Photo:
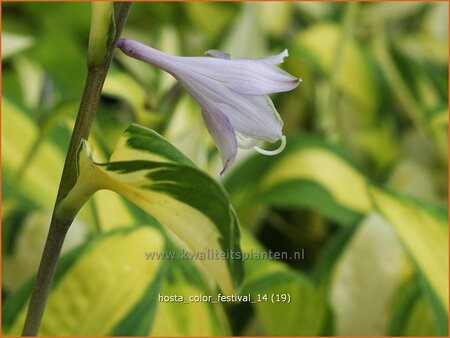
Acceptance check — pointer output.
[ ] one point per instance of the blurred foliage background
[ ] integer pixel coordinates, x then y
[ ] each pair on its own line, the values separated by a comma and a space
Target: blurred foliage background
362, 185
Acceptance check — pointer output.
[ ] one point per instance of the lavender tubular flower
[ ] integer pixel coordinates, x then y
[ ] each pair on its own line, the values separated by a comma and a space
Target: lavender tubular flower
232, 94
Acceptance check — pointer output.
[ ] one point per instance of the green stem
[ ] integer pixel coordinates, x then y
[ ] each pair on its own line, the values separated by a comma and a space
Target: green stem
58, 228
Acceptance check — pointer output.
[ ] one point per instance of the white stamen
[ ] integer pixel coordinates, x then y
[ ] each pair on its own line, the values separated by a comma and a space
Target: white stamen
245, 142
273, 152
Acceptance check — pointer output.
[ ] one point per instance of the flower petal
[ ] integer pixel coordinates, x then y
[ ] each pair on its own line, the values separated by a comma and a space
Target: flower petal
275, 59
262, 78
217, 54
221, 130
247, 76
251, 115
254, 116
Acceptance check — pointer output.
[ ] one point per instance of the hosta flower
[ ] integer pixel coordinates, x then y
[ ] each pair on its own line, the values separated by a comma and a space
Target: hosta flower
231, 92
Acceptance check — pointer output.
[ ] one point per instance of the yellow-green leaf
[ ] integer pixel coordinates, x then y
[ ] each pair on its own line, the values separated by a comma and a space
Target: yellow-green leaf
123, 86
358, 274
411, 315
424, 234
211, 18
309, 173
41, 178
99, 283
99, 290
355, 76
327, 169
182, 318
269, 280
146, 169
245, 38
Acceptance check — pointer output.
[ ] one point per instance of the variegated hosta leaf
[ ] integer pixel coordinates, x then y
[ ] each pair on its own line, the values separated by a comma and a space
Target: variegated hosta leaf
107, 287
423, 232
309, 173
100, 282
411, 314
40, 180
182, 318
356, 76
358, 274
149, 171
20, 260
123, 86
307, 311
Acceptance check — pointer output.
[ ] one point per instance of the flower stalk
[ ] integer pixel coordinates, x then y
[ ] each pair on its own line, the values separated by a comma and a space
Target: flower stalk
58, 227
